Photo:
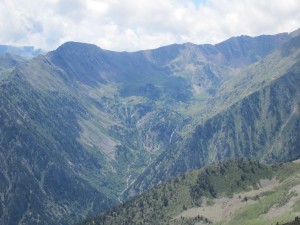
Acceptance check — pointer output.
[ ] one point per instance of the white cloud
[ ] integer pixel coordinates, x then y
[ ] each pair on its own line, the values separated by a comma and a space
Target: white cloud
134, 25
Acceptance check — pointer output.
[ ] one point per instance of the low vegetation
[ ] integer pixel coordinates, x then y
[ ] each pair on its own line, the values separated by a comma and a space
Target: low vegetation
237, 191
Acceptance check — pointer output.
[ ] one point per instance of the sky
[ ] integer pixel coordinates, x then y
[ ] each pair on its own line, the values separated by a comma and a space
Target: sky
130, 25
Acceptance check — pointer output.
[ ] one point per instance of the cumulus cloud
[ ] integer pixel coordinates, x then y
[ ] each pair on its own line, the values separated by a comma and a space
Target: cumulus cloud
133, 25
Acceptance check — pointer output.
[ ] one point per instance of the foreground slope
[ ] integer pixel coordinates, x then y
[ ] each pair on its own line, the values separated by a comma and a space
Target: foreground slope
232, 192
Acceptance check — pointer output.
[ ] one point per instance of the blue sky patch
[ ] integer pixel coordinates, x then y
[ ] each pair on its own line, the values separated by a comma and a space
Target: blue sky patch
197, 2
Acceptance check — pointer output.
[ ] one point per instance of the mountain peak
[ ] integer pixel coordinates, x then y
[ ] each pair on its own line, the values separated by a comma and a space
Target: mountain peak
77, 47
81, 61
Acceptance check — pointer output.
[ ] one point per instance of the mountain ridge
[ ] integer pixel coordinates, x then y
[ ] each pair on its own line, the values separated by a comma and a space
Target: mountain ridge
98, 121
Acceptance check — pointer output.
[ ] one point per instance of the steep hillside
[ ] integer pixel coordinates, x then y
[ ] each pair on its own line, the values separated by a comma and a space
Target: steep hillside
37, 177
8, 61
233, 192
255, 115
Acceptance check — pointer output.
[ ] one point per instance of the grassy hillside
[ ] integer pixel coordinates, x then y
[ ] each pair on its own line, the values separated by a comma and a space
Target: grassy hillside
233, 192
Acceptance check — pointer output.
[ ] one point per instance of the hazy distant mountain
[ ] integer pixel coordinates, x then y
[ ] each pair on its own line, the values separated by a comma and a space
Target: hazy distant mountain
27, 52
82, 127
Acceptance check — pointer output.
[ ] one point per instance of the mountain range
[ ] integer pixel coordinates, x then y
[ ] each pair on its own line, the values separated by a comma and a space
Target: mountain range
83, 129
